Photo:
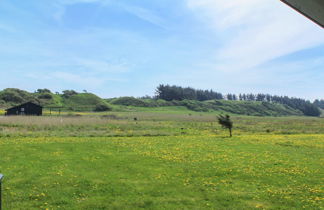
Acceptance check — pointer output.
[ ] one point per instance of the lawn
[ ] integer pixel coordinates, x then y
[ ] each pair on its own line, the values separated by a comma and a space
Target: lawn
161, 163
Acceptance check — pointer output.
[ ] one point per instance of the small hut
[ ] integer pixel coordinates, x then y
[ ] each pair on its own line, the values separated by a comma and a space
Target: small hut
28, 108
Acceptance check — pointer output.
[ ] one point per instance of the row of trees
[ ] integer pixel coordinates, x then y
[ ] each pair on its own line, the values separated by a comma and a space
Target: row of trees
170, 93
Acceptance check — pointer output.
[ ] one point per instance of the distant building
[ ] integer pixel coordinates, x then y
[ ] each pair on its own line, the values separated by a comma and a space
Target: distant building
28, 108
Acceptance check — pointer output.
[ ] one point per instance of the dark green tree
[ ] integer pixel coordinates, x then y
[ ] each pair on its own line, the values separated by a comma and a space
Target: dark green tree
169, 93
226, 122
68, 93
45, 90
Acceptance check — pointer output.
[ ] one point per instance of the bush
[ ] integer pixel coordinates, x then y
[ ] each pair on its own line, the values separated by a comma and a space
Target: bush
68, 93
45, 96
102, 108
43, 91
16, 96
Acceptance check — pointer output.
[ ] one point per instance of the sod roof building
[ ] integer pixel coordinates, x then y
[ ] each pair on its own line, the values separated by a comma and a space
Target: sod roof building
28, 108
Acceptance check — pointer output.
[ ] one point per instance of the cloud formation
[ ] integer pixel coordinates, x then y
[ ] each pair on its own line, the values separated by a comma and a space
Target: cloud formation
256, 31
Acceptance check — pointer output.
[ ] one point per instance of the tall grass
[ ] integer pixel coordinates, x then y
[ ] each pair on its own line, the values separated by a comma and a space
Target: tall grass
149, 123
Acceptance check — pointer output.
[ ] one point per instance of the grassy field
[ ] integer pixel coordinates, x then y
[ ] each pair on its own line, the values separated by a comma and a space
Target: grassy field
163, 160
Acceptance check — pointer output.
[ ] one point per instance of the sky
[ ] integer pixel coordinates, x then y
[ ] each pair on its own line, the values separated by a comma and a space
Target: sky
127, 48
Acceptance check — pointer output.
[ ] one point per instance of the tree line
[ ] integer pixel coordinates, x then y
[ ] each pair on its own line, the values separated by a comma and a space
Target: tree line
319, 103
169, 93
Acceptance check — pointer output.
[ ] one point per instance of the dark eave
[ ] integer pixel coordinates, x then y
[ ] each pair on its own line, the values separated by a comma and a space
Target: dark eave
14, 107
312, 9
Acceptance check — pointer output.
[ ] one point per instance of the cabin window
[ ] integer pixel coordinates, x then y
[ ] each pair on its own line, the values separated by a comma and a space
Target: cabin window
22, 109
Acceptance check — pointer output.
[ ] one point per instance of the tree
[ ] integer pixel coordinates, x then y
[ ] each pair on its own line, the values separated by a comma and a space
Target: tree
226, 122
45, 90
69, 93
169, 93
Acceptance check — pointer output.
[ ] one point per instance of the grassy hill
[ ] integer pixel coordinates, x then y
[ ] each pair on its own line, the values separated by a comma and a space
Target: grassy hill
13, 96
235, 107
84, 102
76, 102
73, 101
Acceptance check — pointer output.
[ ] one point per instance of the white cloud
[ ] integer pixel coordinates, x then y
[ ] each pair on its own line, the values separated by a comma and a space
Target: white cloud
142, 13
255, 31
227, 13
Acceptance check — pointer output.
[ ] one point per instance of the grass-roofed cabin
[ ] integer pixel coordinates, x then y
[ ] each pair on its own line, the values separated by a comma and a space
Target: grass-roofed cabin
28, 108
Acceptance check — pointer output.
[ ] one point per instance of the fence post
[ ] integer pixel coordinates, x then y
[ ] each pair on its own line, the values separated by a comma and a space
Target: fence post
1, 176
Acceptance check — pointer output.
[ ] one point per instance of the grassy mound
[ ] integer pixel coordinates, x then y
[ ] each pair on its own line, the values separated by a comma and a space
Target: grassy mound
252, 108
83, 102
13, 96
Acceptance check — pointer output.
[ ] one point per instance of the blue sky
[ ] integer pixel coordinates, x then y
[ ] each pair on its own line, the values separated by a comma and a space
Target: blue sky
127, 48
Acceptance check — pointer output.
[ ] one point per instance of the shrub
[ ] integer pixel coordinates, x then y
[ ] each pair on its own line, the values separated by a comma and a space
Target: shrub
15, 96
102, 108
69, 93
45, 96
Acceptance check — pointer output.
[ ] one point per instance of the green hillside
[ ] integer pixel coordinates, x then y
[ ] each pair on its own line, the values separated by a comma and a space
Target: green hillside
84, 102
252, 108
13, 96
70, 100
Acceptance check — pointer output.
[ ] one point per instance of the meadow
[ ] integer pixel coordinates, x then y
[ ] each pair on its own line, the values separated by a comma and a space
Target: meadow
166, 159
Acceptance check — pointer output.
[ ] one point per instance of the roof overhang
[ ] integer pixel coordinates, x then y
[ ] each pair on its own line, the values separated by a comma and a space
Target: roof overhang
14, 107
313, 9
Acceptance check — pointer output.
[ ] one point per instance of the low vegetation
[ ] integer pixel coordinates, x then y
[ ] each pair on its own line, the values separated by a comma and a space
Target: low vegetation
163, 160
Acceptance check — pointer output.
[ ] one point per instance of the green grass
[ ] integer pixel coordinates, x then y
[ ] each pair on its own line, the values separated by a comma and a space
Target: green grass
118, 124
161, 161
